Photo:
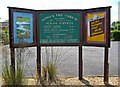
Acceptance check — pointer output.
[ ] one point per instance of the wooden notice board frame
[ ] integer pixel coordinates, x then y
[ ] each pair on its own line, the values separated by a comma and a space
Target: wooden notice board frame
83, 32
106, 43
12, 27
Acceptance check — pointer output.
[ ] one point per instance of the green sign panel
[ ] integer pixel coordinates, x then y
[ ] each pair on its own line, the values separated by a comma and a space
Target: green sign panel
59, 27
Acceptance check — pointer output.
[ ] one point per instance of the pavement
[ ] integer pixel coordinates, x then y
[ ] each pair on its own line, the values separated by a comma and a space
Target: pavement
93, 60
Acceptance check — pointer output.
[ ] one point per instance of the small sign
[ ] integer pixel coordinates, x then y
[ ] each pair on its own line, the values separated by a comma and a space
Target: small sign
97, 27
59, 27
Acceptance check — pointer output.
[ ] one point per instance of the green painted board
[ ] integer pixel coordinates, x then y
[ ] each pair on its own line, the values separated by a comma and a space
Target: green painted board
59, 27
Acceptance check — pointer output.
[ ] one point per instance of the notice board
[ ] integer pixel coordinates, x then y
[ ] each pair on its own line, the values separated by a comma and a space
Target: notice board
96, 25
86, 27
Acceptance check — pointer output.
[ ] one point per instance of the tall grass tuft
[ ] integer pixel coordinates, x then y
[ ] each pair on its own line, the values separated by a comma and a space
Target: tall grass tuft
53, 59
7, 72
20, 75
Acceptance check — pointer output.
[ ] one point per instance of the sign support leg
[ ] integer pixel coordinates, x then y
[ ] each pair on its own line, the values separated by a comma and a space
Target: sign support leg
80, 63
38, 62
106, 67
12, 66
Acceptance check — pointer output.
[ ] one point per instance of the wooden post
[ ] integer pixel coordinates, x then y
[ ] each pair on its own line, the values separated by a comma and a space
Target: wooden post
38, 62
80, 63
106, 67
12, 66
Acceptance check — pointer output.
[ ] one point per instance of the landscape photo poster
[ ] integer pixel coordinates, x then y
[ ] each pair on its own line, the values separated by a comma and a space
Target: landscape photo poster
23, 27
96, 27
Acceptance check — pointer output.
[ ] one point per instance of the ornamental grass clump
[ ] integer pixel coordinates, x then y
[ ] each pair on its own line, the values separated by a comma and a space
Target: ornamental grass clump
8, 73
53, 58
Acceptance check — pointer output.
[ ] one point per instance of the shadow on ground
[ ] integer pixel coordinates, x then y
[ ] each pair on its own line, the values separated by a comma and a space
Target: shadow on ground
87, 83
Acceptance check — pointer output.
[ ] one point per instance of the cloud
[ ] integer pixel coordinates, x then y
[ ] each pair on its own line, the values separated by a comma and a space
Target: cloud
50, 4
114, 13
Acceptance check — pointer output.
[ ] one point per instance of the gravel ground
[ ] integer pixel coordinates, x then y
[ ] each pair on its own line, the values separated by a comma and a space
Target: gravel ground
0, 82
88, 81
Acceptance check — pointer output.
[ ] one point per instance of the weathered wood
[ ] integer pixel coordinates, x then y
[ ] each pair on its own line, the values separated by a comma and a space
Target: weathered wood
106, 67
80, 63
38, 62
12, 66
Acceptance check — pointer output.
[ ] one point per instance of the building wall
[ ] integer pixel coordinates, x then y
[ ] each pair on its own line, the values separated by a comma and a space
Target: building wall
0, 26
3, 25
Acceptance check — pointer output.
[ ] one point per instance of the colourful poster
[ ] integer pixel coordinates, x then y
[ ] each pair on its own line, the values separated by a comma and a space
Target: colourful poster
96, 27
23, 27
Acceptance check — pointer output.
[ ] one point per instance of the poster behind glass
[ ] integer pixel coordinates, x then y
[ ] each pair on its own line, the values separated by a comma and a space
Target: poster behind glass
96, 27
23, 27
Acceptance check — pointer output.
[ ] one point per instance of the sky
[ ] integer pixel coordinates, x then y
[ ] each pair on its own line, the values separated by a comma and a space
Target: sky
58, 4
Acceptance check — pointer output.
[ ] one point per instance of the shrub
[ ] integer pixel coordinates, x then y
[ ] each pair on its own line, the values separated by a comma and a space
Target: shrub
116, 36
4, 36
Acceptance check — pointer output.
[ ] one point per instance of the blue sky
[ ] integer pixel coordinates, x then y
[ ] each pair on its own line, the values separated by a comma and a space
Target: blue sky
58, 4
114, 10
